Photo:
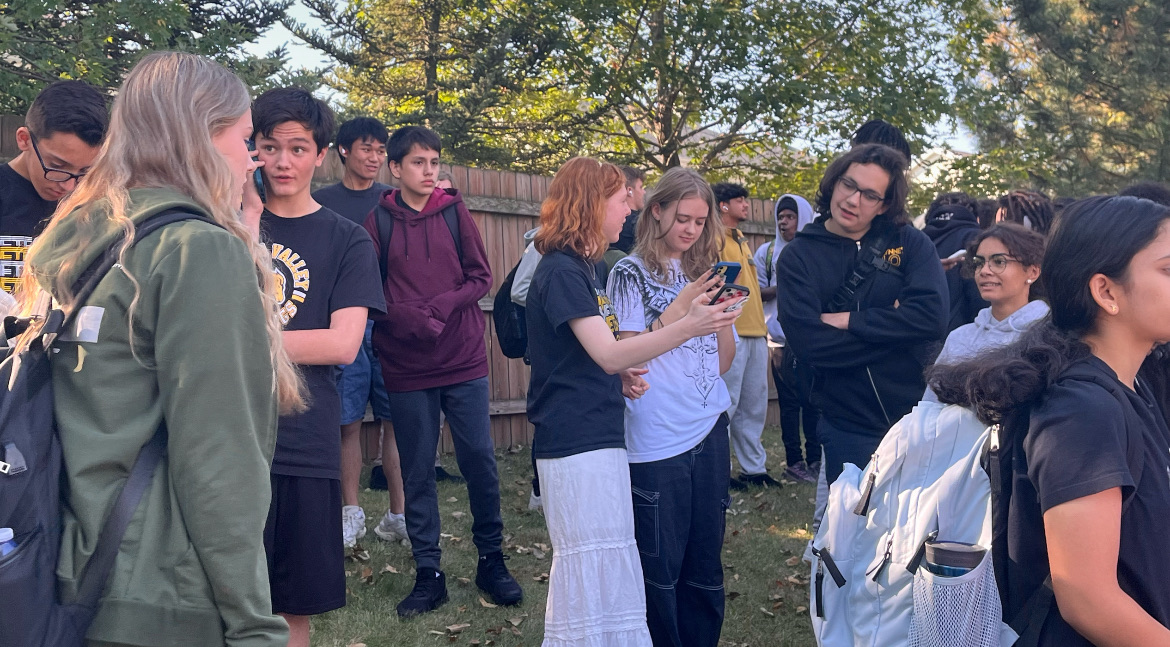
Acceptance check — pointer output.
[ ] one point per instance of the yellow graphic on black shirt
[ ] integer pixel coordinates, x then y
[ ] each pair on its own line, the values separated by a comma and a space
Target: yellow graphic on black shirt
894, 256
12, 250
291, 284
605, 308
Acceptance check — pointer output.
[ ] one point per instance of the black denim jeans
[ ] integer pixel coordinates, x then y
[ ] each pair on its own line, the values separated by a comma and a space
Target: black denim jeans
416, 431
791, 410
844, 445
680, 505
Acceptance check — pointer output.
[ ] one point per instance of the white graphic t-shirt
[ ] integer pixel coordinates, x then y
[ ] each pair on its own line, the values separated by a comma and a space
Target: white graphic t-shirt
686, 394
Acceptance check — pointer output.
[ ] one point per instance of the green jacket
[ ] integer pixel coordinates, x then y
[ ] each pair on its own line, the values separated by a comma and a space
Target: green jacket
191, 569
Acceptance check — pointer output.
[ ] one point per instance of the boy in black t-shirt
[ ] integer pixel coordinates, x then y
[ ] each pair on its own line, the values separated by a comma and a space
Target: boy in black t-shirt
58, 142
361, 146
327, 279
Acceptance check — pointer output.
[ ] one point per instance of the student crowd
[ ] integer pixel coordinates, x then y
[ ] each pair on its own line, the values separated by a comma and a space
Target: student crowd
259, 332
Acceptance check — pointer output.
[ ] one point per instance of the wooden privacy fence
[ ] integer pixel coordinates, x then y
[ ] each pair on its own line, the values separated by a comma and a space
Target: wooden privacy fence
504, 206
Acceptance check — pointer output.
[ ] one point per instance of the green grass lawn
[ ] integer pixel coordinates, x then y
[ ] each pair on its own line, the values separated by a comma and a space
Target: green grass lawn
767, 585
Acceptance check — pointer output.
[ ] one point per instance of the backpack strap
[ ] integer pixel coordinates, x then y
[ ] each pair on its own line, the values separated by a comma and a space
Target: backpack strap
97, 571
451, 217
385, 224
768, 260
1029, 622
88, 281
869, 261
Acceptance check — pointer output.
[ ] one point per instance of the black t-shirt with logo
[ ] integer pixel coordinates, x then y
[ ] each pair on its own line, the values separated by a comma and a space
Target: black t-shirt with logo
1090, 434
574, 405
23, 215
323, 263
348, 203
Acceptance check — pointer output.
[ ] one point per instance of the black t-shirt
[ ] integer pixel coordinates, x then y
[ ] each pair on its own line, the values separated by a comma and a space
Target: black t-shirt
349, 204
574, 405
23, 215
1091, 434
323, 263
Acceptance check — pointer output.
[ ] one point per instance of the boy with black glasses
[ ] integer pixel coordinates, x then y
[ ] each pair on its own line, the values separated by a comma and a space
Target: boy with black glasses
61, 136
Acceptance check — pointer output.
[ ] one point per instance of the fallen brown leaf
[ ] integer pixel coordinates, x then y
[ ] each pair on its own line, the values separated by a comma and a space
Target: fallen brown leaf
485, 604
454, 629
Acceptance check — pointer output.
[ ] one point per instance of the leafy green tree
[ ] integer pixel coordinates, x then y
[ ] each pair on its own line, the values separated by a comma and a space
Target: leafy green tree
732, 88
1068, 96
479, 72
100, 41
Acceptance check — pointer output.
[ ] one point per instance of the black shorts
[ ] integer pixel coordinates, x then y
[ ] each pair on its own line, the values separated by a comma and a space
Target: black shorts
306, 558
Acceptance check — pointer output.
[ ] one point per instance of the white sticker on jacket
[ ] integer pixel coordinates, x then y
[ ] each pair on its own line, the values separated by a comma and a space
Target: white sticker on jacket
85, 327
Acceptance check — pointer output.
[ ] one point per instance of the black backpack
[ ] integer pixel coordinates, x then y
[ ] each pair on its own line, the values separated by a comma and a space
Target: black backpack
31, 615
510, 320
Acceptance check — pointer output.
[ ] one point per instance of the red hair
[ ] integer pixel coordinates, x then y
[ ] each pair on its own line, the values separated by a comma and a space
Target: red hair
572, 214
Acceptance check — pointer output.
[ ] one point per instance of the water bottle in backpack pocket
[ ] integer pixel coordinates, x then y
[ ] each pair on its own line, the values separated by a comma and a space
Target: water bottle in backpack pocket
956, 601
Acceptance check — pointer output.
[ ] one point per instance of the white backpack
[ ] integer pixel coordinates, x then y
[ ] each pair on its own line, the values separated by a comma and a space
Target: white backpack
924, 483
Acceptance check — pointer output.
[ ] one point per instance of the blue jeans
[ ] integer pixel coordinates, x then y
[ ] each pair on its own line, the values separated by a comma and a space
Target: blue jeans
843, 445
416, 432
680, 504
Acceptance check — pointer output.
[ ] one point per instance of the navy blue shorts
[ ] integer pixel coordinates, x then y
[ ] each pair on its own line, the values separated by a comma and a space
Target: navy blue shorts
302, 538
362, 382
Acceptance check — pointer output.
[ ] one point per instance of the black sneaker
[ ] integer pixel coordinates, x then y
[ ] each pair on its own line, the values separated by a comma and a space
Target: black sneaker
759, 480
737, 485
443, 475
492, 577
430, 592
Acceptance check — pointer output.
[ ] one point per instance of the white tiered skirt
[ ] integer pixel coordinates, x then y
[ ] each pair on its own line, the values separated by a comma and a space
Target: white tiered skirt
596, 595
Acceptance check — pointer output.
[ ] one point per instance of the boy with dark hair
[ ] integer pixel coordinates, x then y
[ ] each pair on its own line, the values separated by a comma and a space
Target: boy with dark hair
635, 197
361, 146
61, 136
327, 279
747, 379
431, 343
879, 131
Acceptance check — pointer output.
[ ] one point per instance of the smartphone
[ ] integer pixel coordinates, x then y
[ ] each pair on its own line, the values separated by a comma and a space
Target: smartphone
959, 255
257, 176
729, 292
729, 271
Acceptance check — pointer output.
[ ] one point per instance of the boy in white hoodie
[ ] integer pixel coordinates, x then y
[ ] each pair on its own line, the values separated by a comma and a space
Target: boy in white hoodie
791, 214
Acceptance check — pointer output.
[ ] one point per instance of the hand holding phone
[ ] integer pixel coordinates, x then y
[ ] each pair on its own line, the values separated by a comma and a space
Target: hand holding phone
257, 176
730, 292
729, 271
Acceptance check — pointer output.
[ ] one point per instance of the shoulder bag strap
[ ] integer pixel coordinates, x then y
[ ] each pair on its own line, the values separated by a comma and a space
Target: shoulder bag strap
451, 217
385, 224
871, 259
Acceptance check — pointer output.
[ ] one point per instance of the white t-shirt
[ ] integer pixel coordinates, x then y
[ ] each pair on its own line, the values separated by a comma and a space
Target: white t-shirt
686, 394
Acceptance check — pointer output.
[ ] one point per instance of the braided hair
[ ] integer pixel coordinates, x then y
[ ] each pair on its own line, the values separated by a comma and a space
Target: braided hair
1029, 208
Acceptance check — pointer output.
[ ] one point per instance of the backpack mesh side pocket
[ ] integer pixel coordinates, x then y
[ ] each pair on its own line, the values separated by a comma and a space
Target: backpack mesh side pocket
963, 610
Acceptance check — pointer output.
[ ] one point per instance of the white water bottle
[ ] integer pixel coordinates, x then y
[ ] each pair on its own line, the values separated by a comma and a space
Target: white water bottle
7, 541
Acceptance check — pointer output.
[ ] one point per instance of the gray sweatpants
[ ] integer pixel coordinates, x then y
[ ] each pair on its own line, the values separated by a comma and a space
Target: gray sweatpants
747, 380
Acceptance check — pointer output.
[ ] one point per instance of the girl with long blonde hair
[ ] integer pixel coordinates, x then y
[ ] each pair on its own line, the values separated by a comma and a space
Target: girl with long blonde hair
182, 333
677, 432
596, 594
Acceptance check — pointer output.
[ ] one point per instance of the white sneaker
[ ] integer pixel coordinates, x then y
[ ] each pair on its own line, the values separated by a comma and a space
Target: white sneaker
353, 525
392, 527
534, 503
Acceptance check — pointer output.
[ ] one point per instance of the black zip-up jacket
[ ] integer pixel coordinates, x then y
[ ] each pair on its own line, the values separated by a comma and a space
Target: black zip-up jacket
952, 227
869, 376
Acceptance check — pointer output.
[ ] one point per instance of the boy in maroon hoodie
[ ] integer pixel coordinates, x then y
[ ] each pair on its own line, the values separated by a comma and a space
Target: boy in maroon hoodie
431, 345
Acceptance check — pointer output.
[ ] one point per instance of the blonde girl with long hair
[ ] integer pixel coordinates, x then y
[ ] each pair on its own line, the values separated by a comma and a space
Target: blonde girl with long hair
183, 331
677, 432
596, 596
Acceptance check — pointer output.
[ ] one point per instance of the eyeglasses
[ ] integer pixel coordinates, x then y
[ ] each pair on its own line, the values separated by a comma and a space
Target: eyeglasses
996, 262
52, 174
869, 197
